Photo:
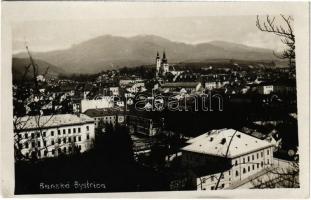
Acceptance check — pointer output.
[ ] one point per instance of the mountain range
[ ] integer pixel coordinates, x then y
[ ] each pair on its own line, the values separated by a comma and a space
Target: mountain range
19, 67
111, 52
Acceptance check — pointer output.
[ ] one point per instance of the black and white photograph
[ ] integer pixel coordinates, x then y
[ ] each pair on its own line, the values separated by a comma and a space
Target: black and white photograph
155, 97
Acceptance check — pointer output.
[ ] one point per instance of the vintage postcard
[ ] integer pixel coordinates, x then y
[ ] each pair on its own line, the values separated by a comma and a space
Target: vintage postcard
155, 99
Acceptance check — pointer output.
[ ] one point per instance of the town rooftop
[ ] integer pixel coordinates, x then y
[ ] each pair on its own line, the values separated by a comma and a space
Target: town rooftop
216, 143
35, 122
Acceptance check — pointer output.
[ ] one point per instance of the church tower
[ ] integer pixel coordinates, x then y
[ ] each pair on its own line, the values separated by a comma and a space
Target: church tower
158, 65
165, 64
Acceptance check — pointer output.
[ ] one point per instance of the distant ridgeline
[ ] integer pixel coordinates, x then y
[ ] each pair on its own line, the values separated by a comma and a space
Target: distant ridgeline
103, 53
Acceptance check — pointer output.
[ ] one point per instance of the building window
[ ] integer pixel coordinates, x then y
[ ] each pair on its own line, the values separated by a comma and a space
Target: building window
59, 151
64, 140
253, 157
87, 136
69, 130
248, 159
26, 145
32, 135
268, 152
212, 178
45, 153
74, 139
38, 134
261, 164
53, 152
59, 141
44, 143
52, 142
74, 130
58, 131
69, 149
253, 167
52, 133
248, 168
261, 154
212, 188
64, 150
257, 165
87, 128
229, 172
26, 135
267, 161
64, 131
79, 138
69, 139
222, 185
44, 134
236, 163
243, 160
33, 144
222, 176
79, 130
257, 155
39, 154
244, 170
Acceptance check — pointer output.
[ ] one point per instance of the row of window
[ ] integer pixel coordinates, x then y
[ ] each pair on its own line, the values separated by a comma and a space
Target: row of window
214, 187
105, 118
60, 151
249, 168
252, 157
59, 141
214, 178
59, 132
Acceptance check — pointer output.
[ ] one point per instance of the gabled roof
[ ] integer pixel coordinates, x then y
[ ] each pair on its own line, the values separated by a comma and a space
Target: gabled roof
180, 85
216, 143
35, 122
102, 112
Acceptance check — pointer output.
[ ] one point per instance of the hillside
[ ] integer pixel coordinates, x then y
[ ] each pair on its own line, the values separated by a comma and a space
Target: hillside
107, 52
19, 65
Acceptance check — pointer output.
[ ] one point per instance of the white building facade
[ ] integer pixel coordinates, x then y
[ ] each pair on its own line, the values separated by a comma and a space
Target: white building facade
51, 136
106, 116
246, 155
104, 102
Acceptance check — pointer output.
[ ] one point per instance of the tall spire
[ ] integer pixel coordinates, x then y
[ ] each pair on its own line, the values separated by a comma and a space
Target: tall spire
164, 60
158, 56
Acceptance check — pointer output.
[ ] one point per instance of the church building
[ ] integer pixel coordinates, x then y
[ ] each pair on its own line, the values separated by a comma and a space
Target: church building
162, 66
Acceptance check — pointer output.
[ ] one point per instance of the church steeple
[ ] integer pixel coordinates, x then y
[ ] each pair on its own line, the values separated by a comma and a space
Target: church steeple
158, 56
164, 60
158, 64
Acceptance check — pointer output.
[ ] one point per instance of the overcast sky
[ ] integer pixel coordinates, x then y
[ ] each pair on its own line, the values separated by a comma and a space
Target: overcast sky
60, 28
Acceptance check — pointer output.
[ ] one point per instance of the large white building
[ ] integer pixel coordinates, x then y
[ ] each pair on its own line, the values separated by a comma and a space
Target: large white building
104, 102
106, 116
244, 156
52, 135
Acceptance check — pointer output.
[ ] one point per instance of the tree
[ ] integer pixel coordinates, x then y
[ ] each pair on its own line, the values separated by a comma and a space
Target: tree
37, 99
287, 177
284, 29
